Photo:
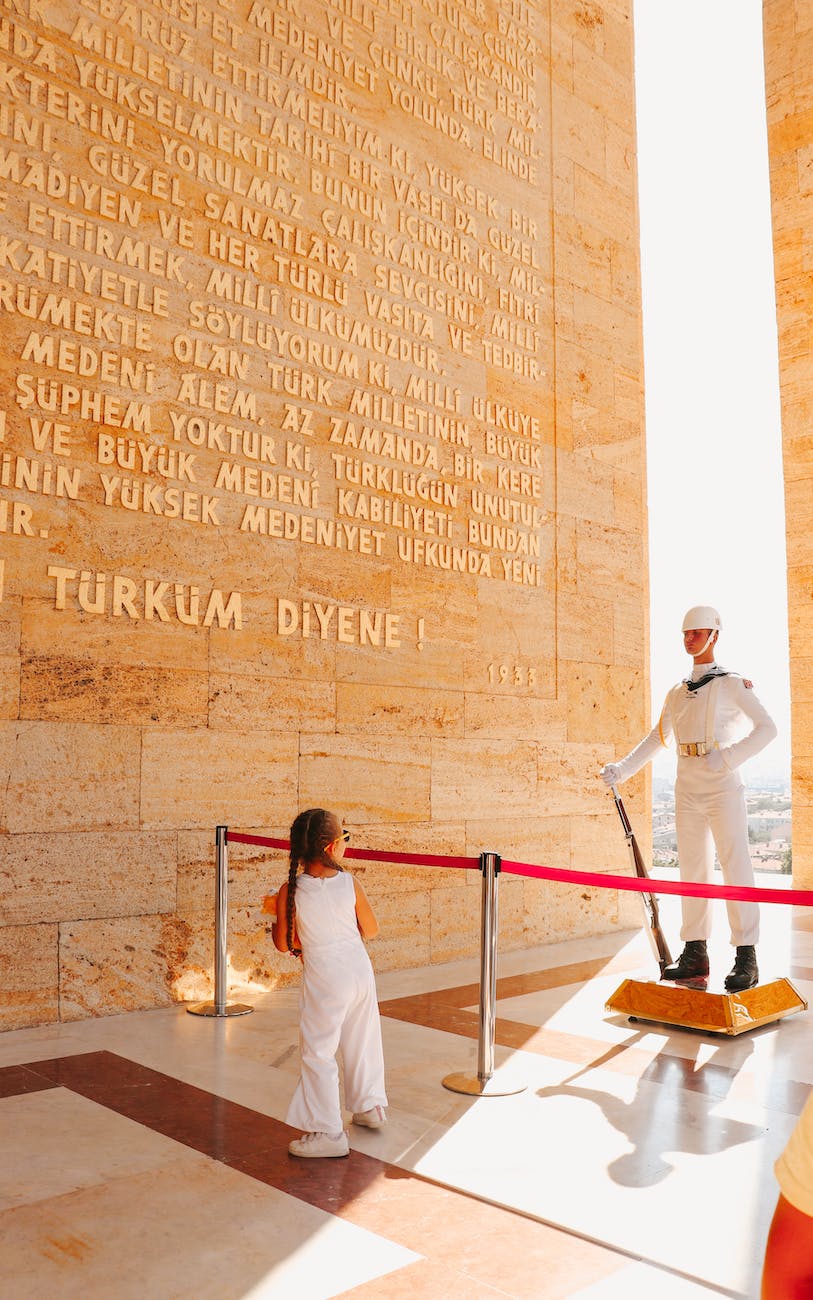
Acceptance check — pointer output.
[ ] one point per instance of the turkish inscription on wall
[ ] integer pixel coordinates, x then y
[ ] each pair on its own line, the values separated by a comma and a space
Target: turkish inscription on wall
277, 271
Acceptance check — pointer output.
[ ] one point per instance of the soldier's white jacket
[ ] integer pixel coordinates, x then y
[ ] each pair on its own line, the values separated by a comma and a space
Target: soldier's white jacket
724, 715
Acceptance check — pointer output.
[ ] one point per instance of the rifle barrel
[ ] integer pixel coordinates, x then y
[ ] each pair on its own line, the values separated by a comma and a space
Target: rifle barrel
650, 903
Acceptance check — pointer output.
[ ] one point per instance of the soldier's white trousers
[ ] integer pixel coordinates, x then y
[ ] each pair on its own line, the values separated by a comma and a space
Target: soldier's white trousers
705, 819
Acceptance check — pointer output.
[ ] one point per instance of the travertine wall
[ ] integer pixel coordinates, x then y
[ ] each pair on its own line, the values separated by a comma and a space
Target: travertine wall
788, 35
322, 470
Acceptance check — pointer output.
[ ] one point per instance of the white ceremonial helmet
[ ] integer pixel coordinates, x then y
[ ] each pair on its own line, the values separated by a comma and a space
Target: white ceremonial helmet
701, 616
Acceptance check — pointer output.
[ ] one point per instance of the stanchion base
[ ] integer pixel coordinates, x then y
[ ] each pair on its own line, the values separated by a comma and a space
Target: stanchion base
473, 1086
210, 1009
716, 1013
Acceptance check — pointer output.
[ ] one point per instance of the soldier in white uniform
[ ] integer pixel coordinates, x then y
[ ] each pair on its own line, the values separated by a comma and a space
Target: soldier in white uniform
717, 723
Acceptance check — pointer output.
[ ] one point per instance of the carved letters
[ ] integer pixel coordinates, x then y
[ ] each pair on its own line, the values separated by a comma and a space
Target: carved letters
265, 274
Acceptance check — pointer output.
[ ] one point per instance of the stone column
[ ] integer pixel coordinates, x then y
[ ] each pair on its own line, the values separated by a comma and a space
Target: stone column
788, 33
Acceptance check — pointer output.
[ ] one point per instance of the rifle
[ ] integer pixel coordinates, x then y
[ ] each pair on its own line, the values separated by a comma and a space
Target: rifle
650, 904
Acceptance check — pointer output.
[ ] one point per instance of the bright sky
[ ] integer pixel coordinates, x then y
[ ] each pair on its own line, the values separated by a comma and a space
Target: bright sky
716, 506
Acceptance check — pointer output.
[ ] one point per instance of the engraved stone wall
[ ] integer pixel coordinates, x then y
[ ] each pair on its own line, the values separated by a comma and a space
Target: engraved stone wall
788, 38
321, 470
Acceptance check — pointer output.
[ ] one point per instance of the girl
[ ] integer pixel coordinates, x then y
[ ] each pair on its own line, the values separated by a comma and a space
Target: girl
322, 917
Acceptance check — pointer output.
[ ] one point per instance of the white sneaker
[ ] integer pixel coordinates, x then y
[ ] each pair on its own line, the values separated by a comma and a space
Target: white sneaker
319, 1144
376, 1117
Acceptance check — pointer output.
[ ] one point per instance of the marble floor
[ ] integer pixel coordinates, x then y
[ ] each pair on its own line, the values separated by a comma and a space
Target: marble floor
145, 1155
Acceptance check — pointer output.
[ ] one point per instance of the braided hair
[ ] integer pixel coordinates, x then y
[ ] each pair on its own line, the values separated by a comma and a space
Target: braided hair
311, 832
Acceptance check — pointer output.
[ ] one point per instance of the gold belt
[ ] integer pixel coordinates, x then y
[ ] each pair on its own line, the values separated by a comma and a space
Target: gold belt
697, 749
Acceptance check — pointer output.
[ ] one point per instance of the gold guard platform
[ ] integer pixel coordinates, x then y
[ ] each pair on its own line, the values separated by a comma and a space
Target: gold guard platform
716, 1013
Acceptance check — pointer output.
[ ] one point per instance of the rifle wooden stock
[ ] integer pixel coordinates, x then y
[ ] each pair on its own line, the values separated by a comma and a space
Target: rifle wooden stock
650, 904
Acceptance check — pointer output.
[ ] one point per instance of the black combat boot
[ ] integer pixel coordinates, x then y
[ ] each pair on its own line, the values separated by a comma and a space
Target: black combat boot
692, 964
744, 974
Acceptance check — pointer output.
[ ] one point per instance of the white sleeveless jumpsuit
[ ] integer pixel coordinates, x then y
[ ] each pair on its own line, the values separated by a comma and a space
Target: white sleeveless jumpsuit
338, 1008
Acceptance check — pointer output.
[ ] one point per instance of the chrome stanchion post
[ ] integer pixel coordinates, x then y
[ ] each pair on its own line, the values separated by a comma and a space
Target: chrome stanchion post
219, 1007
489, 866
221, 917
484, 1083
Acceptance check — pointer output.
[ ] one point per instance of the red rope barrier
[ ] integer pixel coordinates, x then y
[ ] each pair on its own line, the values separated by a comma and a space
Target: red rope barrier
595, 879
369, 855
233, 838
413, 859
654, 885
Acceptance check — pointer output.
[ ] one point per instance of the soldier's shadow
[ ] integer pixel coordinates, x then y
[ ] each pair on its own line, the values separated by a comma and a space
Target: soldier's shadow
674, 1110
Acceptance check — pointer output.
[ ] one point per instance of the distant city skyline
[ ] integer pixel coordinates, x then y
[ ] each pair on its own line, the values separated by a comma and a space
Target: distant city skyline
715, 488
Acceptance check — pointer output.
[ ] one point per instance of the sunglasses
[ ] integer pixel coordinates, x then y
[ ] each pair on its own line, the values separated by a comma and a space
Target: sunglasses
345, 835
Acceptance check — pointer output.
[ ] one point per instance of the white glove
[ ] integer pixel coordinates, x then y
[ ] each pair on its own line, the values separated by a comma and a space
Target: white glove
715, 761
610, 774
